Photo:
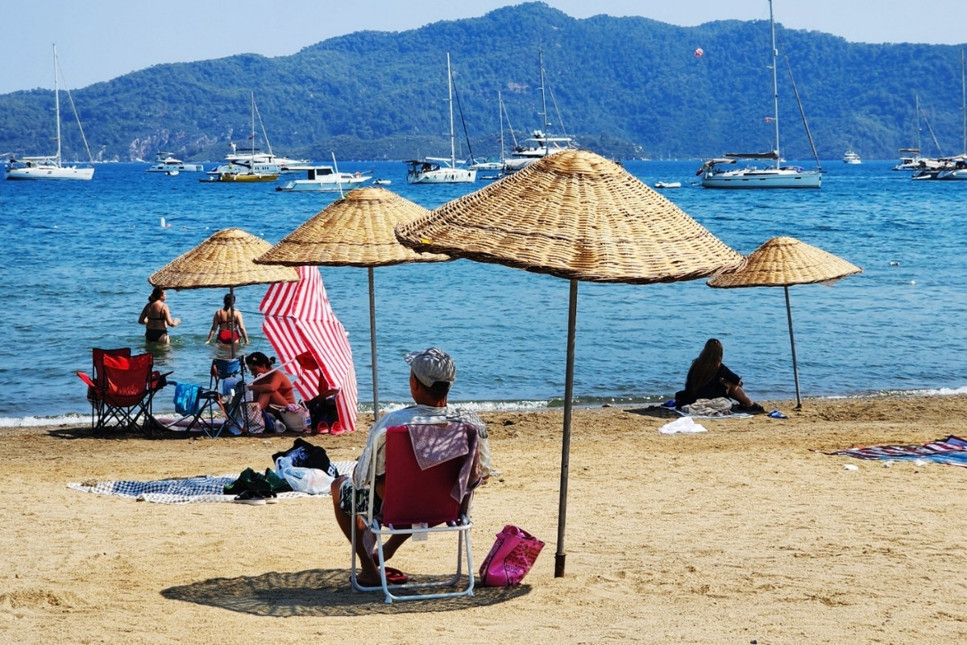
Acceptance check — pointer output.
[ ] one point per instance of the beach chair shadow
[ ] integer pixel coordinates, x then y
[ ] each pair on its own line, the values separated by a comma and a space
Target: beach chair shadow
318, 593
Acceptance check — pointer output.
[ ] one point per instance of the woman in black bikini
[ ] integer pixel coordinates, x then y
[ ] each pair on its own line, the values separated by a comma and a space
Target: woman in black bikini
156, 317
222, 323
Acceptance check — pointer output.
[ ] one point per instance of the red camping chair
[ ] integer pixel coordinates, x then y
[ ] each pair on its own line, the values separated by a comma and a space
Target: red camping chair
96, 383
418, 502
123, 391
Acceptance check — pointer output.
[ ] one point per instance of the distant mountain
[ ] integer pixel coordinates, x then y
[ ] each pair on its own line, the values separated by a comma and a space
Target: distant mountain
624, 87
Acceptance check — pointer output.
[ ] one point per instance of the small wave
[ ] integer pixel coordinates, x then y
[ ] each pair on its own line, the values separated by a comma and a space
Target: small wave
37, 422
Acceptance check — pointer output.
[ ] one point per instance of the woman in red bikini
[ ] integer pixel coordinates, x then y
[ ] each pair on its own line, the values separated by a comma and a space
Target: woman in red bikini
273, 388
228, 323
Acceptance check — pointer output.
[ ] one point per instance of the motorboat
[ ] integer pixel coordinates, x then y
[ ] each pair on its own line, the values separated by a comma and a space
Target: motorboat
668, 184
325, 179
382, 182
243, 173
715, 173
167, 164
852, 158
440, 170
51, 166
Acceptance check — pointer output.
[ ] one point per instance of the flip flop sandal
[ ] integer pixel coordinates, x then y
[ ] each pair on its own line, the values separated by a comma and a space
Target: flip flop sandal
396, 577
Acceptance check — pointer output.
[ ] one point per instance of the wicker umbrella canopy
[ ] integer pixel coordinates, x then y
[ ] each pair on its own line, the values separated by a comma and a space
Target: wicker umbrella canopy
355, 230
782, 262
226, 259
578, 216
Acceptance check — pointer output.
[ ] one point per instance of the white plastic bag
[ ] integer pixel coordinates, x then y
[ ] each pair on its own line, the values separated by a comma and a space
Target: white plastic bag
306, 480
683, 425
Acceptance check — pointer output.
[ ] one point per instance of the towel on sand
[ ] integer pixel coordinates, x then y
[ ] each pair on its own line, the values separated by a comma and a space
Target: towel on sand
952, 451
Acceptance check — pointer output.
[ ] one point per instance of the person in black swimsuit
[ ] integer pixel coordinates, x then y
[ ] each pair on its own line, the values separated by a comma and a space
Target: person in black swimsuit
709, 378
156, 317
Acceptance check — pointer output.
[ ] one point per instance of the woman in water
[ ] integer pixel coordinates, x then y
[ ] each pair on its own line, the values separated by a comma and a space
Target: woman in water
156, 317
228, 323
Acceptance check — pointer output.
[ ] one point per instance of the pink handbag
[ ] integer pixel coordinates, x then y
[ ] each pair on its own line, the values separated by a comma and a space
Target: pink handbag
510, 558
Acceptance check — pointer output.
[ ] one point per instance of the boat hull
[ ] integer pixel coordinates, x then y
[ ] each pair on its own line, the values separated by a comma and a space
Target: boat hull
50, 172
752, 179
322, 186
442, 176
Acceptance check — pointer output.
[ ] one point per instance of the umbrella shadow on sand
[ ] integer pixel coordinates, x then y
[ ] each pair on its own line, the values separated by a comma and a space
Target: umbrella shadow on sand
319, 592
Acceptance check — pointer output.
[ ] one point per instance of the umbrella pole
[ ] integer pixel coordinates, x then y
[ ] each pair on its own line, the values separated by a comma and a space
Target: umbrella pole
792, 342
372, 345
572, 314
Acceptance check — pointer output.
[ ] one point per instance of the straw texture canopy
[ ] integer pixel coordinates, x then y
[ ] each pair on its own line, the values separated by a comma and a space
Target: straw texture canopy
226, 259
357, 230
574, 215
784, 261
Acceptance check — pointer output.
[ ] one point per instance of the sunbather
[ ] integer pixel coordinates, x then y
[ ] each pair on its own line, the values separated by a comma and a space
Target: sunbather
709, 378
274, 388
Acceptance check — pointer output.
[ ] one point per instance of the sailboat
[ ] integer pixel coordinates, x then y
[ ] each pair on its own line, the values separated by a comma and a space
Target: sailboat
440, 170
51, 167
541, 143
494, 167
956, 167
248, 166
770, 176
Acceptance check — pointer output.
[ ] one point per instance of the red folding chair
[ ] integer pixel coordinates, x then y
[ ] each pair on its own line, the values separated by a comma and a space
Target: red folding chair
419, 501
124, 390
95, 383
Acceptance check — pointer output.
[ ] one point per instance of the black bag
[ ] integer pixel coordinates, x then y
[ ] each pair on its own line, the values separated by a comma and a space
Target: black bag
307, 455
322, 409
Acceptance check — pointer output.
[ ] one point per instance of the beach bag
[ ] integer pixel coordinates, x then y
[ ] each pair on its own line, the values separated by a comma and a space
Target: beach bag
510, 558
294, 416
255, 421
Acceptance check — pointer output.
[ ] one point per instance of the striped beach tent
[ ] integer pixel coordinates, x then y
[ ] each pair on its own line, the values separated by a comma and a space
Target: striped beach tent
299, 320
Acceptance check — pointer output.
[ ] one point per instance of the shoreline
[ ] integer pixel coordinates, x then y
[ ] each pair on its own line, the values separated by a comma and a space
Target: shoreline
746, 532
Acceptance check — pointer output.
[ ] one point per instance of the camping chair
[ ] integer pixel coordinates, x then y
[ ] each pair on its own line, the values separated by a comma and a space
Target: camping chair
194, 403
95, 383
420, 502
124, 395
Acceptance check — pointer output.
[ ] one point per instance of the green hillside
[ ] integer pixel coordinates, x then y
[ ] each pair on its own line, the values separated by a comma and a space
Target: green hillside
624, 87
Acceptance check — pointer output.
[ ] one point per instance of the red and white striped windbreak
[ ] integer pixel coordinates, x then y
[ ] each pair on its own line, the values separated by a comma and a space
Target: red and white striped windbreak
300, 322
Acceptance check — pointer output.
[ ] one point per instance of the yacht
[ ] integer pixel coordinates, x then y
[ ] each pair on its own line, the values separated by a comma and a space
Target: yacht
852, 158
167, 164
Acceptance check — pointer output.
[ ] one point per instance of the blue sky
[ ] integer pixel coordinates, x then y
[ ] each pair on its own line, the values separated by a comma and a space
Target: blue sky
98, 40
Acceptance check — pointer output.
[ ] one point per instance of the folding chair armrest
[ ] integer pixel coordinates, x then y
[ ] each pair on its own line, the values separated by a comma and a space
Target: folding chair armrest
87, 379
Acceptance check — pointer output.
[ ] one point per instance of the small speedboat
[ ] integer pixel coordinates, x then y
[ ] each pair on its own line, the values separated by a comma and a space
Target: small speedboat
382, 182
668, 184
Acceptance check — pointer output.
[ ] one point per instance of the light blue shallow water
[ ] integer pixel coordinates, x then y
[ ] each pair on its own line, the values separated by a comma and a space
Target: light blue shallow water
78, 255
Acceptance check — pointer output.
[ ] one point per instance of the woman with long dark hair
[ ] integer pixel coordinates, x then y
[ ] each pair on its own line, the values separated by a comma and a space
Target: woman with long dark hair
709, 378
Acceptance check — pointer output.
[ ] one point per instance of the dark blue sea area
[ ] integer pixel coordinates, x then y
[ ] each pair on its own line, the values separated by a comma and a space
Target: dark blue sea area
78, 256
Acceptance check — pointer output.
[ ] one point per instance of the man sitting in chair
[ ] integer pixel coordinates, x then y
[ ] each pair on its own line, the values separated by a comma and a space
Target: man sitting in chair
432, 372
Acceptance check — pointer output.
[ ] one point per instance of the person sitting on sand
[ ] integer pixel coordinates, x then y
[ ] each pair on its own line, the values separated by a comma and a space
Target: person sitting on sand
272, 388
228, 323
709, 378
432, 372
156, 317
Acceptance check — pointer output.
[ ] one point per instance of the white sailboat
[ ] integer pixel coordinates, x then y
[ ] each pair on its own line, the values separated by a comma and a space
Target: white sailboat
248, 166
770, 176
51, 167
440, 170
541, 143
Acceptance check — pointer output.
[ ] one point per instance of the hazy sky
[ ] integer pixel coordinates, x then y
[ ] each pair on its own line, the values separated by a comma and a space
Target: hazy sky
98, 40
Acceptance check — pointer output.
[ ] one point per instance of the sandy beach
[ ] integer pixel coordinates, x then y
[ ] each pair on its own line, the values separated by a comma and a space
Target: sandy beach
746, 533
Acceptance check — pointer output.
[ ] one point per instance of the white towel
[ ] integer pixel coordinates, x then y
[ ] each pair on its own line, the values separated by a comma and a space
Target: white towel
683, 425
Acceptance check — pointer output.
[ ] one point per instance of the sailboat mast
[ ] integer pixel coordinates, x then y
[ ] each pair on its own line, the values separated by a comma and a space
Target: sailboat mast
500, 117
775, 83
453, 144
963, 102
545, 124
57, 103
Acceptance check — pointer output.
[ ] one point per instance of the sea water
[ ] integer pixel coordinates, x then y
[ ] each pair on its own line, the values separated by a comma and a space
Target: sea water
77, 257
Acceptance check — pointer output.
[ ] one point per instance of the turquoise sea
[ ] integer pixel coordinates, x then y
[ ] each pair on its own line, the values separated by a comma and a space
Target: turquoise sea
78, 256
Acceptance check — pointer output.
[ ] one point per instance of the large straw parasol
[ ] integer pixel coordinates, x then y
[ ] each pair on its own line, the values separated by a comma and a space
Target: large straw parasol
355, 230
226, 259
578, 216
781, 262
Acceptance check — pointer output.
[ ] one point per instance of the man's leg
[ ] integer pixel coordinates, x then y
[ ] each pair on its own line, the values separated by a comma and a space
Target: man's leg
368, 574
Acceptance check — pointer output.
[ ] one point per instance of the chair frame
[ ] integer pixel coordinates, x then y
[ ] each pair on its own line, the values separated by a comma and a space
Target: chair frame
96, 382
457, 521
126, 410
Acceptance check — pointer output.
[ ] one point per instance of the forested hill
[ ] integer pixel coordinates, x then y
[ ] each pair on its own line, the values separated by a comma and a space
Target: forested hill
624, 87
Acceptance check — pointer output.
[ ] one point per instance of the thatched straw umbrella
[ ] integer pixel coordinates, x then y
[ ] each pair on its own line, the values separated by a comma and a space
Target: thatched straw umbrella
578, 216
781, 262
355, 230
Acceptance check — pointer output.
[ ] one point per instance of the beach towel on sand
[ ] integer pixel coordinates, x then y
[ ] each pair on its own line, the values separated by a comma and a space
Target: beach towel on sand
952, 451
205, 488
